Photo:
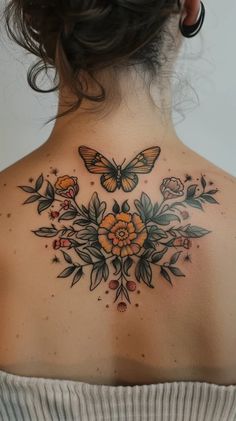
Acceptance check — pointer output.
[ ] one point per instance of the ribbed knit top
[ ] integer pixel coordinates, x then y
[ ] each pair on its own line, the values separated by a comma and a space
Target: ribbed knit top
44, 399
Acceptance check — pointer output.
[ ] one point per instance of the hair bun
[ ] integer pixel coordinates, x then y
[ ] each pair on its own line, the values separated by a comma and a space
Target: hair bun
76, 35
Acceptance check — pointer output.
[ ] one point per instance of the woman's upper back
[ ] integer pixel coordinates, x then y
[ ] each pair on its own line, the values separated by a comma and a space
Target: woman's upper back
124, 313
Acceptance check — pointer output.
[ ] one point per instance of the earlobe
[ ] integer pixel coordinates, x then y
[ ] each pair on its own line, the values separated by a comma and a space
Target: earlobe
192, 11
191, 30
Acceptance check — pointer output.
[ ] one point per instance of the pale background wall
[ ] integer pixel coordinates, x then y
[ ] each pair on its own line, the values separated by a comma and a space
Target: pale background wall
207, 64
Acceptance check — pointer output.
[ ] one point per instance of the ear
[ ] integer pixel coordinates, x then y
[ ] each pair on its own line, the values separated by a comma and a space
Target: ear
191, 11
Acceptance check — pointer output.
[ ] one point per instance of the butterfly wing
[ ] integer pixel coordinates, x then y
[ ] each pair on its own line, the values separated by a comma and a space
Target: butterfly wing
144, 162
128, 181
95, 162
109, 182
141, 164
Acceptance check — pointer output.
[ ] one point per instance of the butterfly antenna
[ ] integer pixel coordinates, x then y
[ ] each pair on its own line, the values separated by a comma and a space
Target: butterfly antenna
114, 162
123, 162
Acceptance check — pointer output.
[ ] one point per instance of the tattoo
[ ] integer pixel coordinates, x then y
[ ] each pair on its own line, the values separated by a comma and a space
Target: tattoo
113, 176
187, 258
121, 245
55, 259
188, 178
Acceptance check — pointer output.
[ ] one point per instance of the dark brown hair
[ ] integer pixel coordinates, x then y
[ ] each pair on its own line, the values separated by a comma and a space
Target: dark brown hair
77, 37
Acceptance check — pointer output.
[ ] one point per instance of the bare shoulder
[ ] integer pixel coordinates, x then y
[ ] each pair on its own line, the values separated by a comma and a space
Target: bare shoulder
227, 191
11, 210
217, 178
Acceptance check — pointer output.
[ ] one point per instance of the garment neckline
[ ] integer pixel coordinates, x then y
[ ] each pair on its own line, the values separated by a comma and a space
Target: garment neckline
33, 379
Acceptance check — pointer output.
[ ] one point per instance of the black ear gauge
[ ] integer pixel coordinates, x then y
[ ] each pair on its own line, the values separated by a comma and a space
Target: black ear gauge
189, 31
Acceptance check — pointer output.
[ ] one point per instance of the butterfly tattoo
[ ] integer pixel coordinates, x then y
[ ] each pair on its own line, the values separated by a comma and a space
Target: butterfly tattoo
114, 176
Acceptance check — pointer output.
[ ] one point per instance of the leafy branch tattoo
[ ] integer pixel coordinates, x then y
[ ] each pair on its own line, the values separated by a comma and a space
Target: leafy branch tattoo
121, 245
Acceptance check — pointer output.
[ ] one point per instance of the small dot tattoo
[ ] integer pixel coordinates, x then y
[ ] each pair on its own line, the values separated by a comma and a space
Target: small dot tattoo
8, 215
54, 171
92, 183
55, 259
188, 177
31, 179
